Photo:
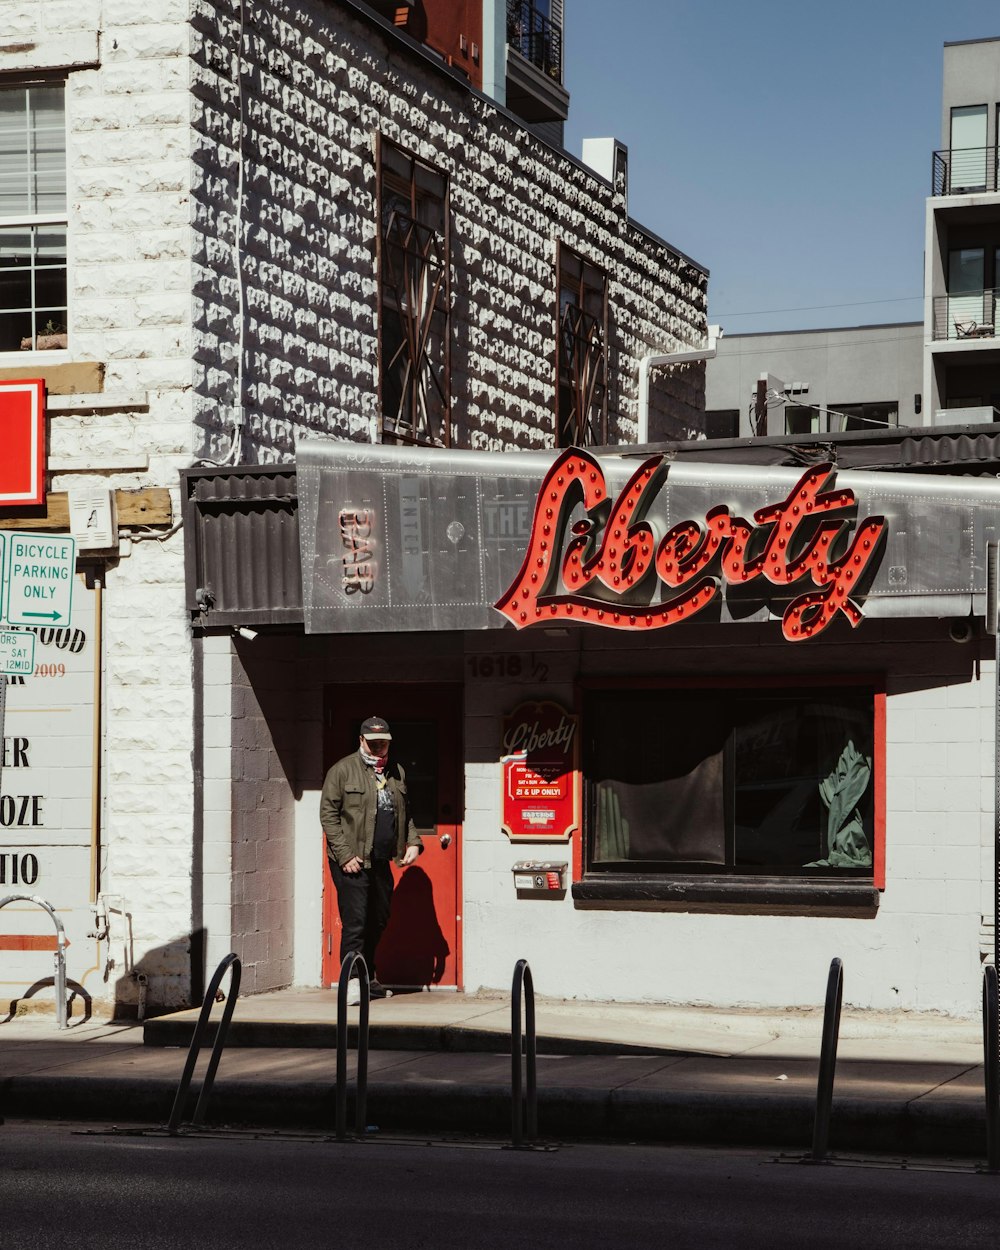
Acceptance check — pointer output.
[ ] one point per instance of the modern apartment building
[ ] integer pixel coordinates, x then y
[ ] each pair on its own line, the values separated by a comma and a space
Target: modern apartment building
961, 375
943, 372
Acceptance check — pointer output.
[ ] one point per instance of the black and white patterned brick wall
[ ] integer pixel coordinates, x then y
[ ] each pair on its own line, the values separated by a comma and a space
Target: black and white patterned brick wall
318, 82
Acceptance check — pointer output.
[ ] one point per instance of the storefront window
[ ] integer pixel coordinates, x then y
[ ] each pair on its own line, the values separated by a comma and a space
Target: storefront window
731, 781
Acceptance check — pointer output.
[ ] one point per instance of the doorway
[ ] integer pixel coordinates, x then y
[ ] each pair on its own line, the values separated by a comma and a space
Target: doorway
421, 948
968, 149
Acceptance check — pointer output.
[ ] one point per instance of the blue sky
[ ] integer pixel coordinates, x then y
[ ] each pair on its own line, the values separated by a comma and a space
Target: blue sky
786, 146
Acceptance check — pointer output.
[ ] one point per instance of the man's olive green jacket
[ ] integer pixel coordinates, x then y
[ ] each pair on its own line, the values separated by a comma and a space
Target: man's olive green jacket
348, 805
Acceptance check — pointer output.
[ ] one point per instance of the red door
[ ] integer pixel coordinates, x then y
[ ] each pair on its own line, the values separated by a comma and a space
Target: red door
422, 945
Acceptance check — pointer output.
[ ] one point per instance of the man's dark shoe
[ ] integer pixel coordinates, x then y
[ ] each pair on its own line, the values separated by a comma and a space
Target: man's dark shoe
377, 990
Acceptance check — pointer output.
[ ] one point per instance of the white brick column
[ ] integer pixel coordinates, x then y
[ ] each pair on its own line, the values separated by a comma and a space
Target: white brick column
217, 855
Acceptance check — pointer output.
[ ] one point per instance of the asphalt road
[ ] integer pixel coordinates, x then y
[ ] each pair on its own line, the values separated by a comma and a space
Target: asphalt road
62, 1186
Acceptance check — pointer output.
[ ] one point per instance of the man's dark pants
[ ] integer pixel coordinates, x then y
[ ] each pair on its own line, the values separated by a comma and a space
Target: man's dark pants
364, 899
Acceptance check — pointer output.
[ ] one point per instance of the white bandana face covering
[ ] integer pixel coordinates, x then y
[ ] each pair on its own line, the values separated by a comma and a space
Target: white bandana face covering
373, 761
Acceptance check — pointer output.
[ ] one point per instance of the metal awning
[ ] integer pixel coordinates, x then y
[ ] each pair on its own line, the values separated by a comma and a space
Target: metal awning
397, 539
455, 525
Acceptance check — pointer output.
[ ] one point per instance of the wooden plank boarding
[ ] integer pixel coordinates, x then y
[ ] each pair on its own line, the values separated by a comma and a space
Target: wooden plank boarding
149, 506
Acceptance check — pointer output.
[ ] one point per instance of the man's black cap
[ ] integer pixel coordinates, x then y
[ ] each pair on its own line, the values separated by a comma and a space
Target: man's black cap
375, 727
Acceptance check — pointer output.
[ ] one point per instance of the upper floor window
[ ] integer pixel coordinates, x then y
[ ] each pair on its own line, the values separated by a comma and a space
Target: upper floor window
414, 300
846, 417
583, 339
840, 418
33, 218
534, 28
969, 162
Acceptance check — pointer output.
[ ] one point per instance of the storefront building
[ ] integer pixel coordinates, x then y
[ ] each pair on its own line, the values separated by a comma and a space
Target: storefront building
226, 227
234, 232
677, 729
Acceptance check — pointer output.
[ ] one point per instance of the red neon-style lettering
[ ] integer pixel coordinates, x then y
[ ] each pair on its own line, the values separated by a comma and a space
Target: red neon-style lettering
797, 540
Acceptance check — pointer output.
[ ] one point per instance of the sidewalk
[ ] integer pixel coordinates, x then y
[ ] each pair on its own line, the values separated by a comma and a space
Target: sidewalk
440, 1063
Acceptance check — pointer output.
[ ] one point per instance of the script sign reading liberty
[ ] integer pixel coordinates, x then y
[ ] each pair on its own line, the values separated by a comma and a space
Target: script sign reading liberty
616, 555
40, 579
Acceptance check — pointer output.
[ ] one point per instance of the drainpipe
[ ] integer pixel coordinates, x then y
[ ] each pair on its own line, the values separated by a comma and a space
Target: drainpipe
670, 358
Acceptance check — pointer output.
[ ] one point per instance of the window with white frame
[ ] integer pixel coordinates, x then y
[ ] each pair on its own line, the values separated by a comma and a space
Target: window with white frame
33, 217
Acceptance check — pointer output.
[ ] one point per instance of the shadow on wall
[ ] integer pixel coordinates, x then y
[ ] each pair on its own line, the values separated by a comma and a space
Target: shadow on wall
270, 695
161, 981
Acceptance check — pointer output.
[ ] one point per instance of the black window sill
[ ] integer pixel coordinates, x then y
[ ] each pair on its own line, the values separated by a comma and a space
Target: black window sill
792, 895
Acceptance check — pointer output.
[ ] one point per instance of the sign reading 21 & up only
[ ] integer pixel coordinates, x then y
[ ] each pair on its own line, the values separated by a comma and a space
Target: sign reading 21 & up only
540, 770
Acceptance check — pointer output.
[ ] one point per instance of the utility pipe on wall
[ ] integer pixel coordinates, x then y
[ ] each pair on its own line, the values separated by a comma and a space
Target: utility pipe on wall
97, 745
685, 357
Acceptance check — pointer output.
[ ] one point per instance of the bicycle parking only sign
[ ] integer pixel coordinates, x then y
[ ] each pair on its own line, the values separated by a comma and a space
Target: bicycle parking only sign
40, 577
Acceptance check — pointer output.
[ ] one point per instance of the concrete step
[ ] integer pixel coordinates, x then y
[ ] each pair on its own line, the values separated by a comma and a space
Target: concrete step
178, 1029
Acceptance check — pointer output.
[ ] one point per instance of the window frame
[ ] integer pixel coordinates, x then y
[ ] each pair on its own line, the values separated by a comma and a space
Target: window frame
721, 887
863, 418
441, 306
32, 222
564, 251
826, 418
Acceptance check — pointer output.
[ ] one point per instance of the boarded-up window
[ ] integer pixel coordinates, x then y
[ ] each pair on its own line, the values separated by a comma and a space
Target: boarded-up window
414, 340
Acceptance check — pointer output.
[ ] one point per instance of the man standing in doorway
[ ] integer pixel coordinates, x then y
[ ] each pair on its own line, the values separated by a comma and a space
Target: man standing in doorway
365, 815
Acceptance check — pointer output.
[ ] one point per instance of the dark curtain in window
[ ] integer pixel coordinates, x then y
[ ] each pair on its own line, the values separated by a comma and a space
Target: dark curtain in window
744, 780
658, 776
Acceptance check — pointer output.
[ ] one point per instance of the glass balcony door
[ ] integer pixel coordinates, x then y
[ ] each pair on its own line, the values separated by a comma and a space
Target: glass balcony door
966, 283
968, 149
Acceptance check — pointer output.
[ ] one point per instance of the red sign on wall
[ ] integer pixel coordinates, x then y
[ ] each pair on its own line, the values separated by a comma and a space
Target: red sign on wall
22, 443
540, 773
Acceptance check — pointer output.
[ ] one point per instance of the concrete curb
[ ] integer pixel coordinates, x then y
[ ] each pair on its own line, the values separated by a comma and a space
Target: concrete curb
873, 1126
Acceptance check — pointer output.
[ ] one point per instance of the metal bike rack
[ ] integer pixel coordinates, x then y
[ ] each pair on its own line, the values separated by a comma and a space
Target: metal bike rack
230, 961
60, 950
827, 1061
346, 968
526, 1109
991, 1066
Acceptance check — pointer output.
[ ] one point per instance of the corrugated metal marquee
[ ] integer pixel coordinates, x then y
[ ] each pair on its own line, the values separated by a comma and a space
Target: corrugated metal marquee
396, 539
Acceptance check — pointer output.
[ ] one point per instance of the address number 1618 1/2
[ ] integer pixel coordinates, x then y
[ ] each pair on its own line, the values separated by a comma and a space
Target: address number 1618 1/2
500, 667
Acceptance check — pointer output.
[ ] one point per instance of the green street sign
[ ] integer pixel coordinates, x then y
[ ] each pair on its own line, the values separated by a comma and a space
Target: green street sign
40, 576
17, 653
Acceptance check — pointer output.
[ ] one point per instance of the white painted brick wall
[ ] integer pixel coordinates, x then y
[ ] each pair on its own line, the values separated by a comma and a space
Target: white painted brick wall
129, 142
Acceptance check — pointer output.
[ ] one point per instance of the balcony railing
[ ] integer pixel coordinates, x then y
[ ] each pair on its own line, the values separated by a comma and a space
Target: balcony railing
971, 315
963, 171
536, 38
